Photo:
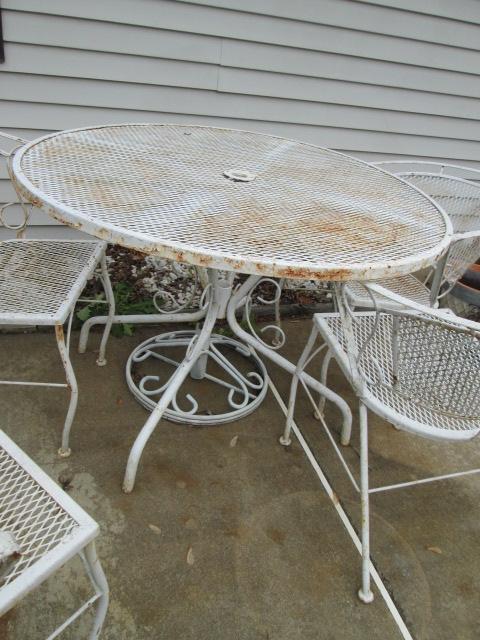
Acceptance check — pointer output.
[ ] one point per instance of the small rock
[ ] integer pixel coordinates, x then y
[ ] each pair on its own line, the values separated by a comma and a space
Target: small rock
190, 556
155, 529
65, 480
233, 441
436, 550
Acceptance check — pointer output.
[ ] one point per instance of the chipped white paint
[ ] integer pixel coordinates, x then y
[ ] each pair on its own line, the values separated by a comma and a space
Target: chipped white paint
309, 213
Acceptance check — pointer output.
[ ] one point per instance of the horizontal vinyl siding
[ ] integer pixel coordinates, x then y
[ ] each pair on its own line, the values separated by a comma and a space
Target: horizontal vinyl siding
466, 10
84, 35
362, 17
376, 79
55, 61
240, 25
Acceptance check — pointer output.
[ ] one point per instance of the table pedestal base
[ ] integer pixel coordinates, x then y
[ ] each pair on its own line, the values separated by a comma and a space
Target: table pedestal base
243, 384
245, 391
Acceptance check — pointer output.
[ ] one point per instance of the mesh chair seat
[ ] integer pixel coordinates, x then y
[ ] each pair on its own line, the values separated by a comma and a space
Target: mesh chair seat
407, 286
422, 399
40, 280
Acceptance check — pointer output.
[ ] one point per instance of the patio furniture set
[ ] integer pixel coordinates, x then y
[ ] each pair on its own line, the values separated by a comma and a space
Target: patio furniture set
228, 202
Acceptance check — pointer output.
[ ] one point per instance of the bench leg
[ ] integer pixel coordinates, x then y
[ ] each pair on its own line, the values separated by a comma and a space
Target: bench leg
100, 583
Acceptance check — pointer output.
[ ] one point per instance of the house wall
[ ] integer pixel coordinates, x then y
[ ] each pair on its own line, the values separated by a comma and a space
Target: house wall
378, 79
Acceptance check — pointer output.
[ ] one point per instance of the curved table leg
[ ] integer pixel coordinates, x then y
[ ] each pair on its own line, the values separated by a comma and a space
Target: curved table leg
197, 346
285, 438
323, 379
235, 301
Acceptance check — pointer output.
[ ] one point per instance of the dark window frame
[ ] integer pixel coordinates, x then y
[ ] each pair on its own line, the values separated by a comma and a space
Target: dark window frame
2, 50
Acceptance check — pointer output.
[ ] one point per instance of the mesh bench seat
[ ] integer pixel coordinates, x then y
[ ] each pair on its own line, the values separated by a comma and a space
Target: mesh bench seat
49, 529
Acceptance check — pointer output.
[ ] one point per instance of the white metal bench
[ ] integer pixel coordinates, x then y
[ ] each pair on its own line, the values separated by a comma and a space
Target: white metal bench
42, 528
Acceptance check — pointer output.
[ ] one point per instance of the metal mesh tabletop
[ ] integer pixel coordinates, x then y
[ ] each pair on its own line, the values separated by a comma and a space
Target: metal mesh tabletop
301, 211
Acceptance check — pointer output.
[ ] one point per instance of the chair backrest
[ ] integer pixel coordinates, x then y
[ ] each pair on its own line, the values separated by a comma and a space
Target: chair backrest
437, 364
435, 360
19, 228
460, 199
423, 166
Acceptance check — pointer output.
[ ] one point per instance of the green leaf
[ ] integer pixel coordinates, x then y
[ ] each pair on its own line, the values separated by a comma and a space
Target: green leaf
117, 330
128, 329
84, 313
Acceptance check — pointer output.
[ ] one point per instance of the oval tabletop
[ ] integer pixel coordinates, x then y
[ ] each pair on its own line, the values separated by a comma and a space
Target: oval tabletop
233, 200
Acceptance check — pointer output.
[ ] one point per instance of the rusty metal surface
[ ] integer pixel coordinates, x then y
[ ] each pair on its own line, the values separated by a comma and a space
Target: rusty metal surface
304, 212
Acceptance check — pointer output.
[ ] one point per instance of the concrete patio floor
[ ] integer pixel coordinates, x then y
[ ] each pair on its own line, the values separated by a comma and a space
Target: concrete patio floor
268, 556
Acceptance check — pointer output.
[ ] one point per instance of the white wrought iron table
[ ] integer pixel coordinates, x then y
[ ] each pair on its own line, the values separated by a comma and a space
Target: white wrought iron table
229, 201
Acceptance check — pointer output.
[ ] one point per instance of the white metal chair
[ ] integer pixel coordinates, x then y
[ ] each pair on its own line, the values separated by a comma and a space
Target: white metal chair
453, 187
416, 367
40, 284
42, 529
460, 199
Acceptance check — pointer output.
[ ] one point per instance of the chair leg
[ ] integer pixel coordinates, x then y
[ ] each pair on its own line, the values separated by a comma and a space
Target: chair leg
65, 450
107, 286
323, 379
100, 583
365, 593
285, 438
